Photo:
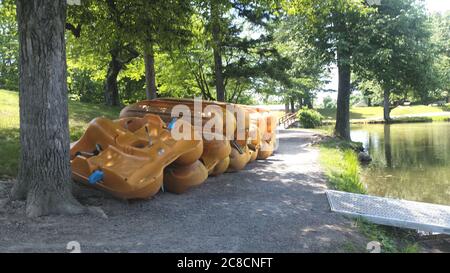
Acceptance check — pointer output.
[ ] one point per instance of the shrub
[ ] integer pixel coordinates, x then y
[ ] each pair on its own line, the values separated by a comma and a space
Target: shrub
446, 107
309, 118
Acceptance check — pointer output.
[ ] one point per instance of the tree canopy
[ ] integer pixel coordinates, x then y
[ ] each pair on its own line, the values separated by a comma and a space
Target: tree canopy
245, 51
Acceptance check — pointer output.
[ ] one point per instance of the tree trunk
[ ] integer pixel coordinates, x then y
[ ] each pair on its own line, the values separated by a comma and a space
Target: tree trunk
150, 75
44, 178
300, 103
308, 102
217, 51
386, 106
111, 88
342, 128
286, 107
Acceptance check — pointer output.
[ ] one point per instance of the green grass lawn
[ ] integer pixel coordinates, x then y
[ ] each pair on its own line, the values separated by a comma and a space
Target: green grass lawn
80, 114
377, 111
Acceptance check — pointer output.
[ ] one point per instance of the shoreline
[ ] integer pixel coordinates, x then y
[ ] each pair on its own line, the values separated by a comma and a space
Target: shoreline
396, 120
338, 159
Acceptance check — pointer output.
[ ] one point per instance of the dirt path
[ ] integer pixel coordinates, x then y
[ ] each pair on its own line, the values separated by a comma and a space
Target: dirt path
277, 205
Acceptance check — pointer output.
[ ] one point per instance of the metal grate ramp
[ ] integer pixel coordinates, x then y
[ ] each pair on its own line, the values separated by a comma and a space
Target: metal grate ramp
392, 212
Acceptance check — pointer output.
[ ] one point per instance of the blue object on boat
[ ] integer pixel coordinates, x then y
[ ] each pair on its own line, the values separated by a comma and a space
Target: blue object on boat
171, 123
95, 177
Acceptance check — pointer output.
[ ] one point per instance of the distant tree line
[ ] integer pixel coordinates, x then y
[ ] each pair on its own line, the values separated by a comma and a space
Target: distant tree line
243, 51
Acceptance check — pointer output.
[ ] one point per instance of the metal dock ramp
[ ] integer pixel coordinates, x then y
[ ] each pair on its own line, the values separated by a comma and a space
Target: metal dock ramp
392, 212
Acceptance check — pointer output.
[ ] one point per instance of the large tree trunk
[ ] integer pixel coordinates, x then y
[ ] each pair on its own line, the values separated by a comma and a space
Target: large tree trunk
300, 103
342, 128
220, 87
308, 102
217, 51
286, 107
44, 178
150, 75
386, 106
292, 105
111, 89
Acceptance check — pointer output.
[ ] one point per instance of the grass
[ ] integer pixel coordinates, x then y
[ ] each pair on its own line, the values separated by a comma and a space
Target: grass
341, 165
420, 119
342, 169
80, 114
376, 112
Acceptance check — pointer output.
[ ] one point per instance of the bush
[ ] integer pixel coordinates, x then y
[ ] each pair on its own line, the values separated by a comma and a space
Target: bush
446, 107
309, 118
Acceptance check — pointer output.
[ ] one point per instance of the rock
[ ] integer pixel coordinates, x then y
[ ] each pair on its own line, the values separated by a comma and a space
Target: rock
357, 146
364, 157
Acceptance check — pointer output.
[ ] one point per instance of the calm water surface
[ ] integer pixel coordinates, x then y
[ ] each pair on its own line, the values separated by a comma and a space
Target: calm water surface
410, 161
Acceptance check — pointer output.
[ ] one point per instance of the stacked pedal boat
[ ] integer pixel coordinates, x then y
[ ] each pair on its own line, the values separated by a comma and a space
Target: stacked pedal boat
136, 155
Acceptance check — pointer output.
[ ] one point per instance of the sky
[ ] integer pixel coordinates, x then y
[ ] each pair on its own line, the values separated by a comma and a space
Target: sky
431, 5
437, 5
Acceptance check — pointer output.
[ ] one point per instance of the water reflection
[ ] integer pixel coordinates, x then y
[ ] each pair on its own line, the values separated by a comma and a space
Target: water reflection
387, 146
410, 161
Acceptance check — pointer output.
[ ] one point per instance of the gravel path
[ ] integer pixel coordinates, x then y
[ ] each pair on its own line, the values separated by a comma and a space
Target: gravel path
277, 205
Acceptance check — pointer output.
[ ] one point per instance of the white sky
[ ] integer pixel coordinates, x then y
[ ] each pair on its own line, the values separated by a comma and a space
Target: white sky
438, 5
431, 5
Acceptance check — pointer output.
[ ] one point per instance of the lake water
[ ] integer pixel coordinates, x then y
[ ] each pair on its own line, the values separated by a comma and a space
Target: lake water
410, 161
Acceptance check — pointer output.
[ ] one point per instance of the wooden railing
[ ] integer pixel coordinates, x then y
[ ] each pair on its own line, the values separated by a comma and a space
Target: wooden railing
287, 120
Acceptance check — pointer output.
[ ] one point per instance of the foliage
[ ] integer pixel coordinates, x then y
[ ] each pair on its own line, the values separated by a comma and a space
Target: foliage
422, 56
441, 40
332, 26
306, 71
182, 44
370, 90
399, 49
336, 29
111, 38
309, 118
268, 53
9, 46
248, 59
329, 103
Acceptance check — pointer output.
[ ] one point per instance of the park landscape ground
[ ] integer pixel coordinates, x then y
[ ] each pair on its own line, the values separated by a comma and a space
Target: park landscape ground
80, 114
118, 52
276, 205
